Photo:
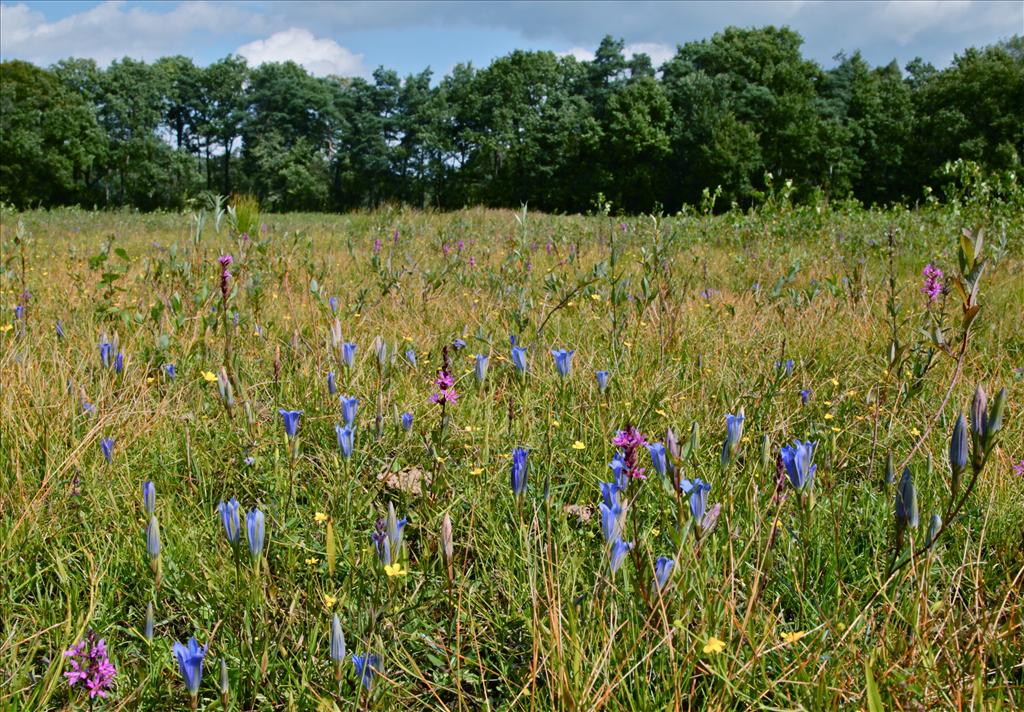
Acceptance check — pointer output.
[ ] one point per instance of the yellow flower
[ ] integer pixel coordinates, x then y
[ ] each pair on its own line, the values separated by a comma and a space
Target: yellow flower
320, 517
209, 376
312, 561
596, 297
835, 382
835, 429
407, 338
556, 423
662, 413
6, 327
395, 569
440, 459
851, 393
329, 601
714, 645
794, 636
356, 315
915, 432
828, 416
469, 428
477, 471
578, 445
150, 379
628, 344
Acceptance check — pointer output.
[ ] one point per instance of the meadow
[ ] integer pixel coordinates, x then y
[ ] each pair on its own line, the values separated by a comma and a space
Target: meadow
354, 465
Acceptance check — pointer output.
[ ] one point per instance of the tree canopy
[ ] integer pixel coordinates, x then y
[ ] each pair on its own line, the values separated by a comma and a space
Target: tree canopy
732, 112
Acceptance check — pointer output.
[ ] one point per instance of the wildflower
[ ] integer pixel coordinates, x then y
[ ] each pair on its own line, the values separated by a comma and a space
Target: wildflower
786, 367
209, 376
698, 490
906, 502
107, 448
366, 666
333, 302
602, 381
225, 275
410, 356
60, 330
150, 622
934, 527
229, 518
291, 421
617, 554
407, 421
519, 358
797, 460
480, 367
106, 352
349, 408
320, 517
932, 287
446, 392
395, 526
395, 569
1018, 469
348, 354
170, 370
619, 468
734, 432
119, 363
447, 546
805, 396
630, 440
792, 637
710, 519
381, 543
714, 645
890, 469
958, 452
254, 532
458, 344
519, 471
563, 361
658, 459
332, 385
190, 664
90, 665
149, 497
337, 644
382, 352
346, 438
663, 571
578, 445
612, 519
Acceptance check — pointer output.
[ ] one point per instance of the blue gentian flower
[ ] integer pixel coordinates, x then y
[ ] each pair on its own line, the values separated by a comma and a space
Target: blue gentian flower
563, 361
406, 421
229, 518
337, 640
149, 497
119, 363
19, 312
734, 432
254, 532
60, 330
190, 664
395, 526
291, 421
663, 570
381, 543
805, 396
519, 358
366, 666
617, 554
171, 370
610, 493
797, 459
620, 469
410, 356
459, 344
698, 491
348, 353
106, 353
658, 458
787, 366
519, 471
512, 340
107, 447
349, 408
346, 440
333, 301
958, 447
602, 381
481, 367
153, 538
906, 502
332, 385
611, 521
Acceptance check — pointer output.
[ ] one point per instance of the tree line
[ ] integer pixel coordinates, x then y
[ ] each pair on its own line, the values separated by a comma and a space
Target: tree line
733, 112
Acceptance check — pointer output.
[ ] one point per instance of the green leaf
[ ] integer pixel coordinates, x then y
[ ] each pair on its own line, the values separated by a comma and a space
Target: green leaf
874, 700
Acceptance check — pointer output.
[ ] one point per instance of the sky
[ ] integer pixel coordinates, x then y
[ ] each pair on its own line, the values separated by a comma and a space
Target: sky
353, 38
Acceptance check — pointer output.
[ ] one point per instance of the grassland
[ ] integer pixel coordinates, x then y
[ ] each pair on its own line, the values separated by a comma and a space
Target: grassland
791, 601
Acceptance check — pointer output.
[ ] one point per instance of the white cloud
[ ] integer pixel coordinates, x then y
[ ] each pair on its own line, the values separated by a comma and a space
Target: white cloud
320, 57
657, 51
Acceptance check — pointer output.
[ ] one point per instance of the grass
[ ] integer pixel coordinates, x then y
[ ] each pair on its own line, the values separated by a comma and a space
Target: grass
780, 606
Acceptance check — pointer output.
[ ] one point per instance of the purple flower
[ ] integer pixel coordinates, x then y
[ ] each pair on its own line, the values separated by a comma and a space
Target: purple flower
225, 275
107, 447
90, 665
630, 441
1018, 469
805, 395
932, 287
366, 666
291, 421
376, 246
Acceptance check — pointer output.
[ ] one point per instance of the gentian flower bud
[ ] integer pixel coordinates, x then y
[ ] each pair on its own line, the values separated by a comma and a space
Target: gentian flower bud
366, 666
229, 519
890, 469
254, 531
481, 367
519, 471
150, 622
602, 381
906, 502
346, 440
149, 497
662, 571
349, 408
617, 554
797, 459
107, 448
958, 453
332, 385
734, 433
519, 358
348, 354
658, 459
407, 421
337, 641
563, 361
290, 418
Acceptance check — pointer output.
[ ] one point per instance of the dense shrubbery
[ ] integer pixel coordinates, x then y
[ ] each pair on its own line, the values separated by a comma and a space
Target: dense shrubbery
532, 128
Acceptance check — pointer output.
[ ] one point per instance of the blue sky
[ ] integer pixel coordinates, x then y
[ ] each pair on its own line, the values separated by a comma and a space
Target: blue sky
352, 38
